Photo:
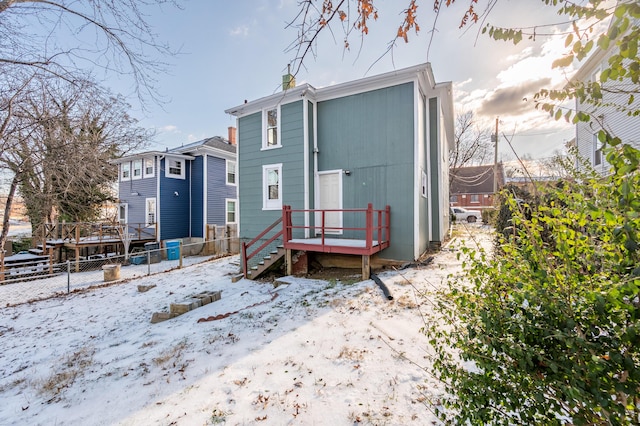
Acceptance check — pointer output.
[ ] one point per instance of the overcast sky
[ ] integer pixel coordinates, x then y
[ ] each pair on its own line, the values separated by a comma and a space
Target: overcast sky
237, 50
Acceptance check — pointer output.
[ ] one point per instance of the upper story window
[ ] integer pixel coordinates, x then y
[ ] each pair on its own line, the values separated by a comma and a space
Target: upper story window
271, 126
175, 168
231, 172
272, 187
149, 167
125, 171
137, 169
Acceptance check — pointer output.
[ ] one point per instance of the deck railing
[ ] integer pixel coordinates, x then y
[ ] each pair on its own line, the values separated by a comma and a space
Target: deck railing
377, 232
246, 256
75, 232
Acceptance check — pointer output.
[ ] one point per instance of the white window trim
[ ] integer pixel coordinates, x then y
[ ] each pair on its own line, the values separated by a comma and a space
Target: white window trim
227, 162
153, 167
597, 146
266, 203
122, 176
139, 163
226, 211
264, 128
146, 212
182, 168
124, 220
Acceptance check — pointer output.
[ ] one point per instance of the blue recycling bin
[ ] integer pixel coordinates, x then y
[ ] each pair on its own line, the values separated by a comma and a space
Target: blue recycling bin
173, 249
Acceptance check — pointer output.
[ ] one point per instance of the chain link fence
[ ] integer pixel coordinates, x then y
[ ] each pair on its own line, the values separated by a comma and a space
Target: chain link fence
39, 279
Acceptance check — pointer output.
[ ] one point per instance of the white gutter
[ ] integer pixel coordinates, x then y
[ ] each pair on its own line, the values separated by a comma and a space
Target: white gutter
205, 189
305, 162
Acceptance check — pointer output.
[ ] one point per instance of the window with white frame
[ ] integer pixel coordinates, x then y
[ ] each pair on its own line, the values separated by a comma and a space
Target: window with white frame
125, 171
231, 172
175, 168
597, 150
149, 167
271, 125
272, 187
231, 211
150, 211
123, 210
137, 169
475, 198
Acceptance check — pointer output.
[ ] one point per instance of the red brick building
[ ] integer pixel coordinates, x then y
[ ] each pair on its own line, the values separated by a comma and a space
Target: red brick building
472, 187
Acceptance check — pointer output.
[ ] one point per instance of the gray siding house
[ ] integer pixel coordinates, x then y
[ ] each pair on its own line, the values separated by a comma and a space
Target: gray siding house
608, 117
178, 192
382, 140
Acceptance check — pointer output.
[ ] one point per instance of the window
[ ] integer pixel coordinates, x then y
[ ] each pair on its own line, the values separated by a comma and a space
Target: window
475, 198
175, 168
271, 124
149, 167
597, 150
125, 171
231, 211
123, 210
150, 211
231, 172
272, 187
453, 199
137, 169
424, 185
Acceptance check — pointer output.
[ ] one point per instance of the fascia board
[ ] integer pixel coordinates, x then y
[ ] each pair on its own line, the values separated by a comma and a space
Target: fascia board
138, 156
214, 152
367, 84
280, 98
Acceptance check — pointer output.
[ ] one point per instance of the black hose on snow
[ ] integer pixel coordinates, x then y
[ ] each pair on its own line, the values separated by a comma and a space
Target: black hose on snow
382, 286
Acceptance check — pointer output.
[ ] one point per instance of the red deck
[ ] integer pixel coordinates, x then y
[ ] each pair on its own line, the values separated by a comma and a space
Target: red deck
375, 233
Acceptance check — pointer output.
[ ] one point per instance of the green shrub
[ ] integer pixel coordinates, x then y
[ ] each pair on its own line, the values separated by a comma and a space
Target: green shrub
547, 331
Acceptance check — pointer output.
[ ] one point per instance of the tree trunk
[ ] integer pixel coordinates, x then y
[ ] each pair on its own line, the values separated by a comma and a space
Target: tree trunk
7, 212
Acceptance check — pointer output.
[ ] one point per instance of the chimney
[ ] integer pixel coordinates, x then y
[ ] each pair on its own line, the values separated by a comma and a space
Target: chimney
288, 81
232, 135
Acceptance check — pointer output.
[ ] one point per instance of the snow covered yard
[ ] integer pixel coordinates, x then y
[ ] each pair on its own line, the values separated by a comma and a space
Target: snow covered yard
306, 352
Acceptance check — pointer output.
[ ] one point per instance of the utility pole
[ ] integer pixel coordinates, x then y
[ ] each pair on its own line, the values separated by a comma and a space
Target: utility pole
495, 160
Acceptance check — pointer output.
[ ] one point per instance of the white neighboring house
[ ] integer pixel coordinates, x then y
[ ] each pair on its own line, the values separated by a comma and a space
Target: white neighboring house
607, 117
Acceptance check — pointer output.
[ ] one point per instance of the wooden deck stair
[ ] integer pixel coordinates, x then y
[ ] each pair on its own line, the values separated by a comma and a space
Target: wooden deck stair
273, 259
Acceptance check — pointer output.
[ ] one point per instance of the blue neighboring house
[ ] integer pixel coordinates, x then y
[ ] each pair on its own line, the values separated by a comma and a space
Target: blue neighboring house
176, 193
382, 140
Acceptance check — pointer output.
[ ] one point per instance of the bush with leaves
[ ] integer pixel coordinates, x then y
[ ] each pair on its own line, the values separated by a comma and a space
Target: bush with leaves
547, 331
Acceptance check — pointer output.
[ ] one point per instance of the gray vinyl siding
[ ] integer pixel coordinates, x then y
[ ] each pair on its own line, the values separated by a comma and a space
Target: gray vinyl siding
372, 135
253, 219
618, 123
174, 211
197, 196
218, 191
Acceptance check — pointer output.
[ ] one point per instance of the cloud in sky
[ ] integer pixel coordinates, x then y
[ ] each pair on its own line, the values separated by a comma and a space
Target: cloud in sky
169, 128
239, 31
512, 100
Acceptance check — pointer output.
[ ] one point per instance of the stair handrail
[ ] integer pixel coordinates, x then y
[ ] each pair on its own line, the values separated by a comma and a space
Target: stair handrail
245, 246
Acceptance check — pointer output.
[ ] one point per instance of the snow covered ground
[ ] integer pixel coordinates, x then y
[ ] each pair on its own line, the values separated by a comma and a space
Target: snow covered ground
308, 352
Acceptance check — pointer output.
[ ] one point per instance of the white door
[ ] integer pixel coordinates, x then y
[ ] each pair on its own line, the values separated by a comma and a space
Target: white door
330, 197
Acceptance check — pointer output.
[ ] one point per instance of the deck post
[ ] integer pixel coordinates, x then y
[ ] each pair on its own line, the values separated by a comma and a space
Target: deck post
369, 226
366, 266
244, 259
288, 261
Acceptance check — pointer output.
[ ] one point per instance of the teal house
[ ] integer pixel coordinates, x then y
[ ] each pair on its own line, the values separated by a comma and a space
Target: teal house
318, 158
